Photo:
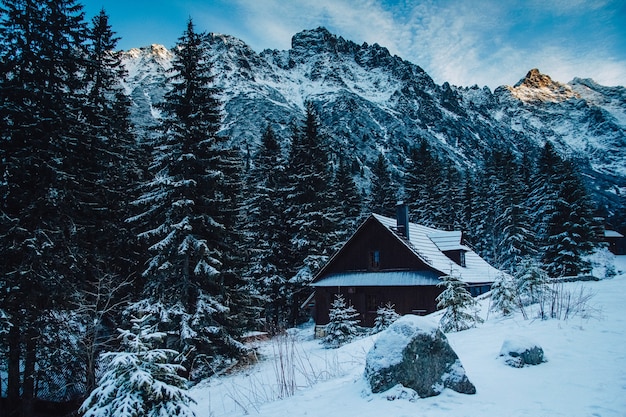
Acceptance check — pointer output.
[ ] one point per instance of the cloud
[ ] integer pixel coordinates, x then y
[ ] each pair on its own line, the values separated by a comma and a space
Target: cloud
272, 23
484, 42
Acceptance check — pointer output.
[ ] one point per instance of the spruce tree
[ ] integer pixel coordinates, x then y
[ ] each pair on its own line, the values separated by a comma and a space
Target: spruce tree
190, 219
267, 231
141, 380
514, 234
311, 224
531, 282
504, 298
447, 212
343, 325
461, 309
566, 222
347, 201
383, 196
41, 62
385, 316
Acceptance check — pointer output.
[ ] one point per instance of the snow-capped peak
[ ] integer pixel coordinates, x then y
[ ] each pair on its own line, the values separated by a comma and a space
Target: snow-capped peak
538, 87
155, 51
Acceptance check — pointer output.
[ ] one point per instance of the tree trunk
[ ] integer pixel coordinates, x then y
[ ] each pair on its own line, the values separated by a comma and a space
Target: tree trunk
13, 370
28, 394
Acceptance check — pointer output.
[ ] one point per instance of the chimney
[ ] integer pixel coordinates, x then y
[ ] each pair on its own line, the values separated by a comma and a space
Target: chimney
402, 219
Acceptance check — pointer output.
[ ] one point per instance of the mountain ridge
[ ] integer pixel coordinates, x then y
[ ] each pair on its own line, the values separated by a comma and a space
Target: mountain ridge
371, 102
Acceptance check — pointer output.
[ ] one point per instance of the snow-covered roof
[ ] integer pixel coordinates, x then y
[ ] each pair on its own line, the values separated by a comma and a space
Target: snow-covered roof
428, 244
379, 279
612, 233
446, 241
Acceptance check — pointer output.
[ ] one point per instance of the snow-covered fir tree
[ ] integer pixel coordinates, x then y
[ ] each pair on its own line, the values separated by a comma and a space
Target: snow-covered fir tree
343, 325
140, 380
267, 232
41, 128
110, 175
347, 199
385, 316
190, 213
5, 322
383, 196
504, 298
311, 215
531, 282
461, 309
513, 233
428, 188
566, 225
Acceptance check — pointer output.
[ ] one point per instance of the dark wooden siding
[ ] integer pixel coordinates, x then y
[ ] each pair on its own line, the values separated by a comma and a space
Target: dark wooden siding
366, 300
372, 236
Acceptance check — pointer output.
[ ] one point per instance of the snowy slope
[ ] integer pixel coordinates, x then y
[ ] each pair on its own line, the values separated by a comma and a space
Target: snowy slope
584, 374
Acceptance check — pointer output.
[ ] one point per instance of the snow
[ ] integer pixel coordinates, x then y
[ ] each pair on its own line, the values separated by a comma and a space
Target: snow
584, 374
373, 279
387, 350
517, 344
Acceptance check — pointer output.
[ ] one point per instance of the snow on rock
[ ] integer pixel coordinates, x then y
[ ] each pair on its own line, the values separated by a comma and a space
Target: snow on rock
373, 102
518, 351
413, 352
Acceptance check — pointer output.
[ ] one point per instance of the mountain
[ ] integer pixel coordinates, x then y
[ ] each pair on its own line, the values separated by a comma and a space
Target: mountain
371, 102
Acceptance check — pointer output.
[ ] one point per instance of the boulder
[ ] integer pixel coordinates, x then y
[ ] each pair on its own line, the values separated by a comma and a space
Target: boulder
518, 352
413, 352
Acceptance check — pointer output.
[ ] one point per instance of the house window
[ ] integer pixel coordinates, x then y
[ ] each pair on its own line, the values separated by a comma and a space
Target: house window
374, 259
462, 258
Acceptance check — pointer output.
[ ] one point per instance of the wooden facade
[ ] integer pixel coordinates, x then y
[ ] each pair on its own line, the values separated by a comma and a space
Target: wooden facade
373, 240
616, 242
380, 265
366, 300
374, 248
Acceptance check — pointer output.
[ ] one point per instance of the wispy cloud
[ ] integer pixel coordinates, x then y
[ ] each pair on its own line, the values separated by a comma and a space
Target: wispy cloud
484, 42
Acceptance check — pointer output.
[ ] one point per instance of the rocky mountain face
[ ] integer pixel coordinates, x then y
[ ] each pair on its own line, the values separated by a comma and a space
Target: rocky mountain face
371, 102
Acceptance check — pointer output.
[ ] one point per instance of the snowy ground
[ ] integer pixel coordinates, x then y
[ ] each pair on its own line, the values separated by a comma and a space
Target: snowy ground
585, 374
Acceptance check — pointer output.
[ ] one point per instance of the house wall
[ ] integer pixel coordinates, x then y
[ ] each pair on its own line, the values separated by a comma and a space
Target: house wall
617, 245
366, 300
371, 237
355, 256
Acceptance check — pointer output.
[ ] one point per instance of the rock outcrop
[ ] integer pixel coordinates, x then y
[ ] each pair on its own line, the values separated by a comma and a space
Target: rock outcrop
413, 352
518, 352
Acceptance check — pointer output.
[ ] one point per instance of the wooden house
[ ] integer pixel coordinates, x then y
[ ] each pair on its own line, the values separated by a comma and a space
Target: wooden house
615, 241
392, 260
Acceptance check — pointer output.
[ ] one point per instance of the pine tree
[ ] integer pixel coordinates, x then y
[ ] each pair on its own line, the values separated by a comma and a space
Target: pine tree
312, 226
504, 298
267, 231
141, 380
347, 199
343, 325
531, 281
385, 316
191, 217
383, 196
461, 309
567, 225
41, 60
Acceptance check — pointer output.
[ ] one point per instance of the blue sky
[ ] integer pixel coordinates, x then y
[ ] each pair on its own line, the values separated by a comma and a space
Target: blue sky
464, 42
